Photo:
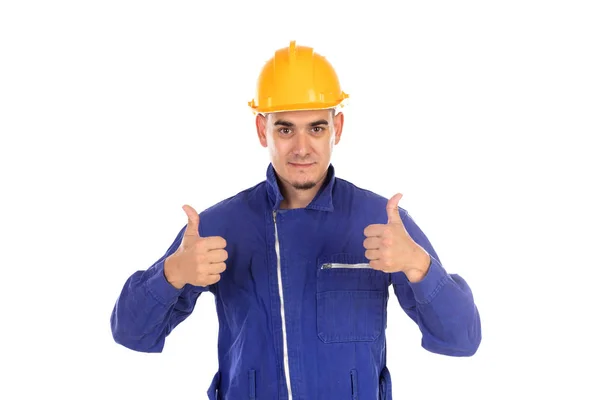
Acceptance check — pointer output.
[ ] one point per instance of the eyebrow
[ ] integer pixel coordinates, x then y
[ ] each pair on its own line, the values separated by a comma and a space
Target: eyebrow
319, 122
289, 124
283, 123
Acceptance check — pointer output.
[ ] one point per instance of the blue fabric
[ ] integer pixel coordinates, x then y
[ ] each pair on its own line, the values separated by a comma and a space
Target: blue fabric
335, 318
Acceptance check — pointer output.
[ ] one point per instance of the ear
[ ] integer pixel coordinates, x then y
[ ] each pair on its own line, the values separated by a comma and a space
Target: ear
338, 123
261, 129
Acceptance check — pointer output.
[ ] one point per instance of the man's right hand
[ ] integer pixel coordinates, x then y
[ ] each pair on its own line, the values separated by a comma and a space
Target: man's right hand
198, 261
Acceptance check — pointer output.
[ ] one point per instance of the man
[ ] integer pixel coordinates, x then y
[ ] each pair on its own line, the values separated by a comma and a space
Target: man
300, 264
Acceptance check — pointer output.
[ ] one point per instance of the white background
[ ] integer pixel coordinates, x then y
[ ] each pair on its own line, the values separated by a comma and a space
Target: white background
484, 115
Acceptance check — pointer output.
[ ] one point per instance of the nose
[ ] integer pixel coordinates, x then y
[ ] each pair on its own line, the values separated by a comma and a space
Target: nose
301, 145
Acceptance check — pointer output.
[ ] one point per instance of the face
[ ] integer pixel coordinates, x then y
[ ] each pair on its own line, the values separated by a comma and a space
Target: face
300, 144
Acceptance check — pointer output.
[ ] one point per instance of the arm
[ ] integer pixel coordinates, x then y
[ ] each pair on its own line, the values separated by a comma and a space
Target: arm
441, 304
149, 307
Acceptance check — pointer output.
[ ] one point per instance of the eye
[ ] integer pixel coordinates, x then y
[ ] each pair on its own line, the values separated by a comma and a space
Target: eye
317, 129
285, 131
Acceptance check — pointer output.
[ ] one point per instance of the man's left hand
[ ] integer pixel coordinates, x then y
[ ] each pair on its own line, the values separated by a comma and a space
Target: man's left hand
390, 248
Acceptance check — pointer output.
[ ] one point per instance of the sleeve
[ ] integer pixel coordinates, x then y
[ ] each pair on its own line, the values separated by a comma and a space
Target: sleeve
441, 304
149, 307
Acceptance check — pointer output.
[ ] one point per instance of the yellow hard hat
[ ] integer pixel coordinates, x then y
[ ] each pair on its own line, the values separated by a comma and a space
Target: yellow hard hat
297, 78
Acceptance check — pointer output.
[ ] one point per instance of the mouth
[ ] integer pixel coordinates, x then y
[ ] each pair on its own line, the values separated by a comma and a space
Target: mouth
301, 165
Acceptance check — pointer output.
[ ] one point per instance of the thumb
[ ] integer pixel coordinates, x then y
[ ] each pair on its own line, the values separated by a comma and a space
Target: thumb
193, 221
392, 209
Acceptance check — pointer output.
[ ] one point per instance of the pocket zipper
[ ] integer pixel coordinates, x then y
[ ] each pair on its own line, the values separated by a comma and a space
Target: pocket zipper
351, 266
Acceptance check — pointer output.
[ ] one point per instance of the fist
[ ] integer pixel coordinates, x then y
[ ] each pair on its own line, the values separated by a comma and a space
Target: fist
390, 248
198, 261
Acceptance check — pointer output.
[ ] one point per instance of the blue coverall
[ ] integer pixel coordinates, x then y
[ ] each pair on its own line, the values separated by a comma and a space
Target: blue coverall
301, 314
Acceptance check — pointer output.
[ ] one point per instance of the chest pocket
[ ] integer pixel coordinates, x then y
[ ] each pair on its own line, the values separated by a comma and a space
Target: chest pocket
351, 299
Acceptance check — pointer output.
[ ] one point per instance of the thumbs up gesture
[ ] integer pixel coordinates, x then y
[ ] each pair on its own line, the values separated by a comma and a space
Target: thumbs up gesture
199, 260
390, 248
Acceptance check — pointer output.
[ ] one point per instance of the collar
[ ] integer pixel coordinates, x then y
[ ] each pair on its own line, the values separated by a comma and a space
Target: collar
323, 200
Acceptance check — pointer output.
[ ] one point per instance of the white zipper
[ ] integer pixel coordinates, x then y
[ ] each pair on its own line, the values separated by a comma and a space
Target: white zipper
286, 365
352, 266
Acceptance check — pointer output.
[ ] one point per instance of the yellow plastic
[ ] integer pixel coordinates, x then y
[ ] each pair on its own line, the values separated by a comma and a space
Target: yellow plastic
297, 78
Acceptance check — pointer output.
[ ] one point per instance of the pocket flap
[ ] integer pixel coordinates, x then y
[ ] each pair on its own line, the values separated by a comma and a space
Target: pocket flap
344, 271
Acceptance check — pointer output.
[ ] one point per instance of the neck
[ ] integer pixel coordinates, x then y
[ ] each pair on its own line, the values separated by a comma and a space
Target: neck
296, 198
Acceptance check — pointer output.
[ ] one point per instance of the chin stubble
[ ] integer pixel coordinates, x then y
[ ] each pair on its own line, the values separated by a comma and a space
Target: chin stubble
304, 186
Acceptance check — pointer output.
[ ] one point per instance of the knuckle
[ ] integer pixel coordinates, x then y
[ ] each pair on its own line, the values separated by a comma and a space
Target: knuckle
201, 258
200, 275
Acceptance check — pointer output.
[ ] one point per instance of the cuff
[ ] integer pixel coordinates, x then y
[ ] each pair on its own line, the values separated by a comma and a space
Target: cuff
160, 288
427, 288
